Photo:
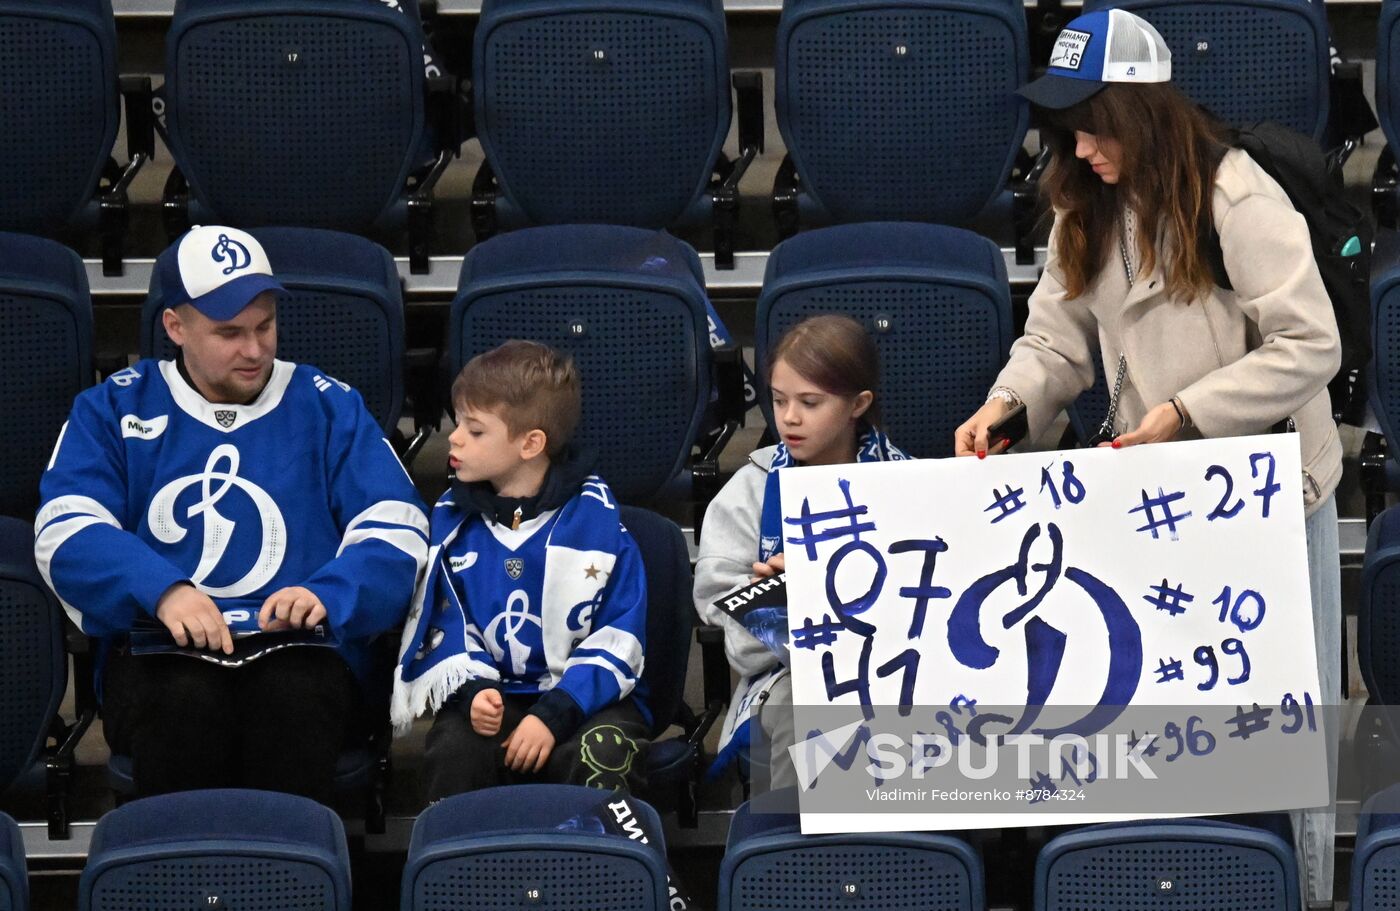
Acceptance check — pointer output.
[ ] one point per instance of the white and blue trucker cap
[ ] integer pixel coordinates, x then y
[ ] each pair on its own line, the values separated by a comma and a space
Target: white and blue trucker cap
215, 269
1096, 49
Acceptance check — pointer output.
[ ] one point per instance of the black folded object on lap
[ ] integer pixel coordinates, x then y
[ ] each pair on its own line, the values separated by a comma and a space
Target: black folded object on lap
157, 640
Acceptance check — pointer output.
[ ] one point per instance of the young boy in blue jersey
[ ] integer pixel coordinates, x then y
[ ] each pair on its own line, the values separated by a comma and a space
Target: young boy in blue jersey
227, 494
527, 634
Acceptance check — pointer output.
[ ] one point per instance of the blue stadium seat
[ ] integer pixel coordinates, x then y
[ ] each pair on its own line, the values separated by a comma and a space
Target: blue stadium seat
1385, 186
47, 353
343, 313
1388, 71
673, 765
898, 109
1189, 865
33, 679
606, 112
1379, 470
14, 874
1220, 48
531, 845
936, 300
1375, 866
60, 108
629, 306
297, 112
1378, 647
769, 865
46, 350
218, 849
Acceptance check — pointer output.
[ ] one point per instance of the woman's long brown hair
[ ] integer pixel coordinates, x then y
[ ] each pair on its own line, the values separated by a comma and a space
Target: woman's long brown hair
1171, 149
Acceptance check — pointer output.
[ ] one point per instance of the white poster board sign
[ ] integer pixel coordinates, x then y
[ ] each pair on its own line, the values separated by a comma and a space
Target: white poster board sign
1152, 601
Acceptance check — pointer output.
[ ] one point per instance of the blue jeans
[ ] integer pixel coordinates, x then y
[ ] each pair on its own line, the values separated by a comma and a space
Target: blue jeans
1315, 831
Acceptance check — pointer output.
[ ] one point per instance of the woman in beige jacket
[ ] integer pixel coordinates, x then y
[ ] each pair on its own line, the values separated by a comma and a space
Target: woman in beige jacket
1138, 178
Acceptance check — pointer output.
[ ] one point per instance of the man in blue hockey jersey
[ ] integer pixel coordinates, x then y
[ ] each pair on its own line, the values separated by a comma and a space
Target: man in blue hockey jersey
528, 630
226, 494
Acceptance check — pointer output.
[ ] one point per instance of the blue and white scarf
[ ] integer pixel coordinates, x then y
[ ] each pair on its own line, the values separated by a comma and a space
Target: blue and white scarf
442, 648
752, 692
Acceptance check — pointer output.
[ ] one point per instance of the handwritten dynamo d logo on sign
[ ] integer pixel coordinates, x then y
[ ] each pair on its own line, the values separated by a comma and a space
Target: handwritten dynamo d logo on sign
236, 253
1045, 644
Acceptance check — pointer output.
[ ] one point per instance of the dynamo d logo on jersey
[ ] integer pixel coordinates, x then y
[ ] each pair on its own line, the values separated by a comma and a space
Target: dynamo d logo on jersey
234, 252
251, 504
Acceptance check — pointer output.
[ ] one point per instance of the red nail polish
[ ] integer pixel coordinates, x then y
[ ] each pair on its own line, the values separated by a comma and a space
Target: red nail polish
1005, 441
1117, 445
981, 453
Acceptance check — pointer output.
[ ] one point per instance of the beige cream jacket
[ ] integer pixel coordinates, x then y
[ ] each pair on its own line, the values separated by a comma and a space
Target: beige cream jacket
1241, 361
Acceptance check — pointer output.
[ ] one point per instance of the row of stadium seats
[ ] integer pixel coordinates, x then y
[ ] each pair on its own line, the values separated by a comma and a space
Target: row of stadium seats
630, 305
320, 113
560, 846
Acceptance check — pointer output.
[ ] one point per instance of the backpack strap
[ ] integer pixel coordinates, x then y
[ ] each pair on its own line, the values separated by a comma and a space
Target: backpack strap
1215, 256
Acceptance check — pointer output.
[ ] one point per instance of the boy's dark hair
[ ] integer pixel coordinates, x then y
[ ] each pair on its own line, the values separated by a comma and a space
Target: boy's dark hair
528, 385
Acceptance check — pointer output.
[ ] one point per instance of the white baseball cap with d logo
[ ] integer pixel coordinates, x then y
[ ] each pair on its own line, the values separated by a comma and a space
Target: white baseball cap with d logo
215, 269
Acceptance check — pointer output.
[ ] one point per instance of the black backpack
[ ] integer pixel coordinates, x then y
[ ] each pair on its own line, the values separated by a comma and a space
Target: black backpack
1341, 243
